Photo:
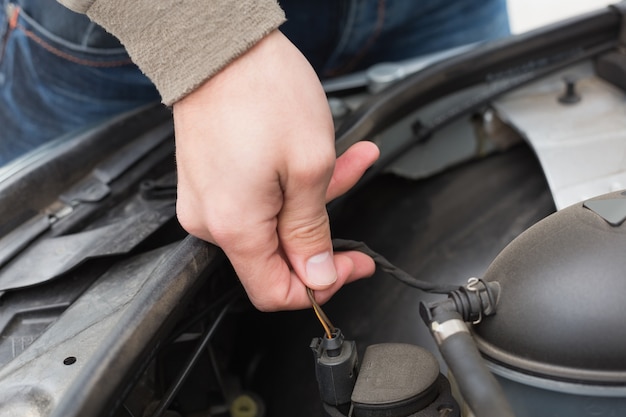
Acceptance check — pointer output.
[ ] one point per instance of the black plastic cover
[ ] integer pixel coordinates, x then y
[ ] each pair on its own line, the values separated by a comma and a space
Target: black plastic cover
396, 379
561, 308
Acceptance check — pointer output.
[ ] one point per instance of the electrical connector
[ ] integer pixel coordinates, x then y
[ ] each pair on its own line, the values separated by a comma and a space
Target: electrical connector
336, 369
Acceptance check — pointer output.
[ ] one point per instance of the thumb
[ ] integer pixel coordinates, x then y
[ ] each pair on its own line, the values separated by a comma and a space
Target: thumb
304, 233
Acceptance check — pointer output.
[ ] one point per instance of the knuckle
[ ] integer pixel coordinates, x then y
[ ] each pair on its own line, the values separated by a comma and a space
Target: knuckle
307, 231
313, 168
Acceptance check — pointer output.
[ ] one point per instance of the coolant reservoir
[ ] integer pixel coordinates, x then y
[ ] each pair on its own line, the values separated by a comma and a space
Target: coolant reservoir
557, 342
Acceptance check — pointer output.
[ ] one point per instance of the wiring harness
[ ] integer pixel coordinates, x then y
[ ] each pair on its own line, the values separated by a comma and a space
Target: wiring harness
336, 361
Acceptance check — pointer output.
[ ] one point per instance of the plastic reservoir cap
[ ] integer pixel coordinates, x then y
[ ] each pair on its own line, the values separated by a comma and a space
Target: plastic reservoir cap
395, 379
612, 210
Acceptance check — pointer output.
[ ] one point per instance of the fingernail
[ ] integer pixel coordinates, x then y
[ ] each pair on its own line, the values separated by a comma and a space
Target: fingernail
320, 269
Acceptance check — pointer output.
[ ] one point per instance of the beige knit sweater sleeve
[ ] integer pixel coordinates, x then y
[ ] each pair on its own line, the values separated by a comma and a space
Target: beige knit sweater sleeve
179, 44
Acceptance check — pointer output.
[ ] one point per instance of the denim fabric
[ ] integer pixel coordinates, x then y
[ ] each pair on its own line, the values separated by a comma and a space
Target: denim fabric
59, 78
339, 37
60, 72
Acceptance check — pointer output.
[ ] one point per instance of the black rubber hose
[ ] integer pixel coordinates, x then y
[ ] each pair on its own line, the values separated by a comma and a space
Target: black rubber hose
476, 383
508, 57
173, 390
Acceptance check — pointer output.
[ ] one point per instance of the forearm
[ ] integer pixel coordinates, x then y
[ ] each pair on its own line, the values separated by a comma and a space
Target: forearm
181, 44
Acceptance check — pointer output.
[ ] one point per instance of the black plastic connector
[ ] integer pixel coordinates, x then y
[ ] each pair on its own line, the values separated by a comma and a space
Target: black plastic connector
336, 369
476, 300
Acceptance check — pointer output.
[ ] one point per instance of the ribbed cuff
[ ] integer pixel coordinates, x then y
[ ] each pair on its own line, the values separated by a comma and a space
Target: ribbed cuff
179, 44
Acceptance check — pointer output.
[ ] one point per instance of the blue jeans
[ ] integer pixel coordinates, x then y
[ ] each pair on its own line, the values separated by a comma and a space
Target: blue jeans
59, 72
339, 37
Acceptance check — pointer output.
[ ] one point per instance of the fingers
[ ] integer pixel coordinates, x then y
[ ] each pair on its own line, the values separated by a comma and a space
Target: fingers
303, 225
351, 266
350, 167
276, 256
275, 296
256, 164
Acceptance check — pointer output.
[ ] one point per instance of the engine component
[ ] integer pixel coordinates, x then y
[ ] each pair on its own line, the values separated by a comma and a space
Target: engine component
398, 379
557, 340
477, 385
336, 368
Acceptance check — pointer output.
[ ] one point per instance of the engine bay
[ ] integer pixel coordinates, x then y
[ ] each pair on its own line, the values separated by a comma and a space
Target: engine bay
108, 308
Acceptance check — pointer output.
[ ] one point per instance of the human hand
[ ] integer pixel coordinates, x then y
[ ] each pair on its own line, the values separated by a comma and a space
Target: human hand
256, 166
